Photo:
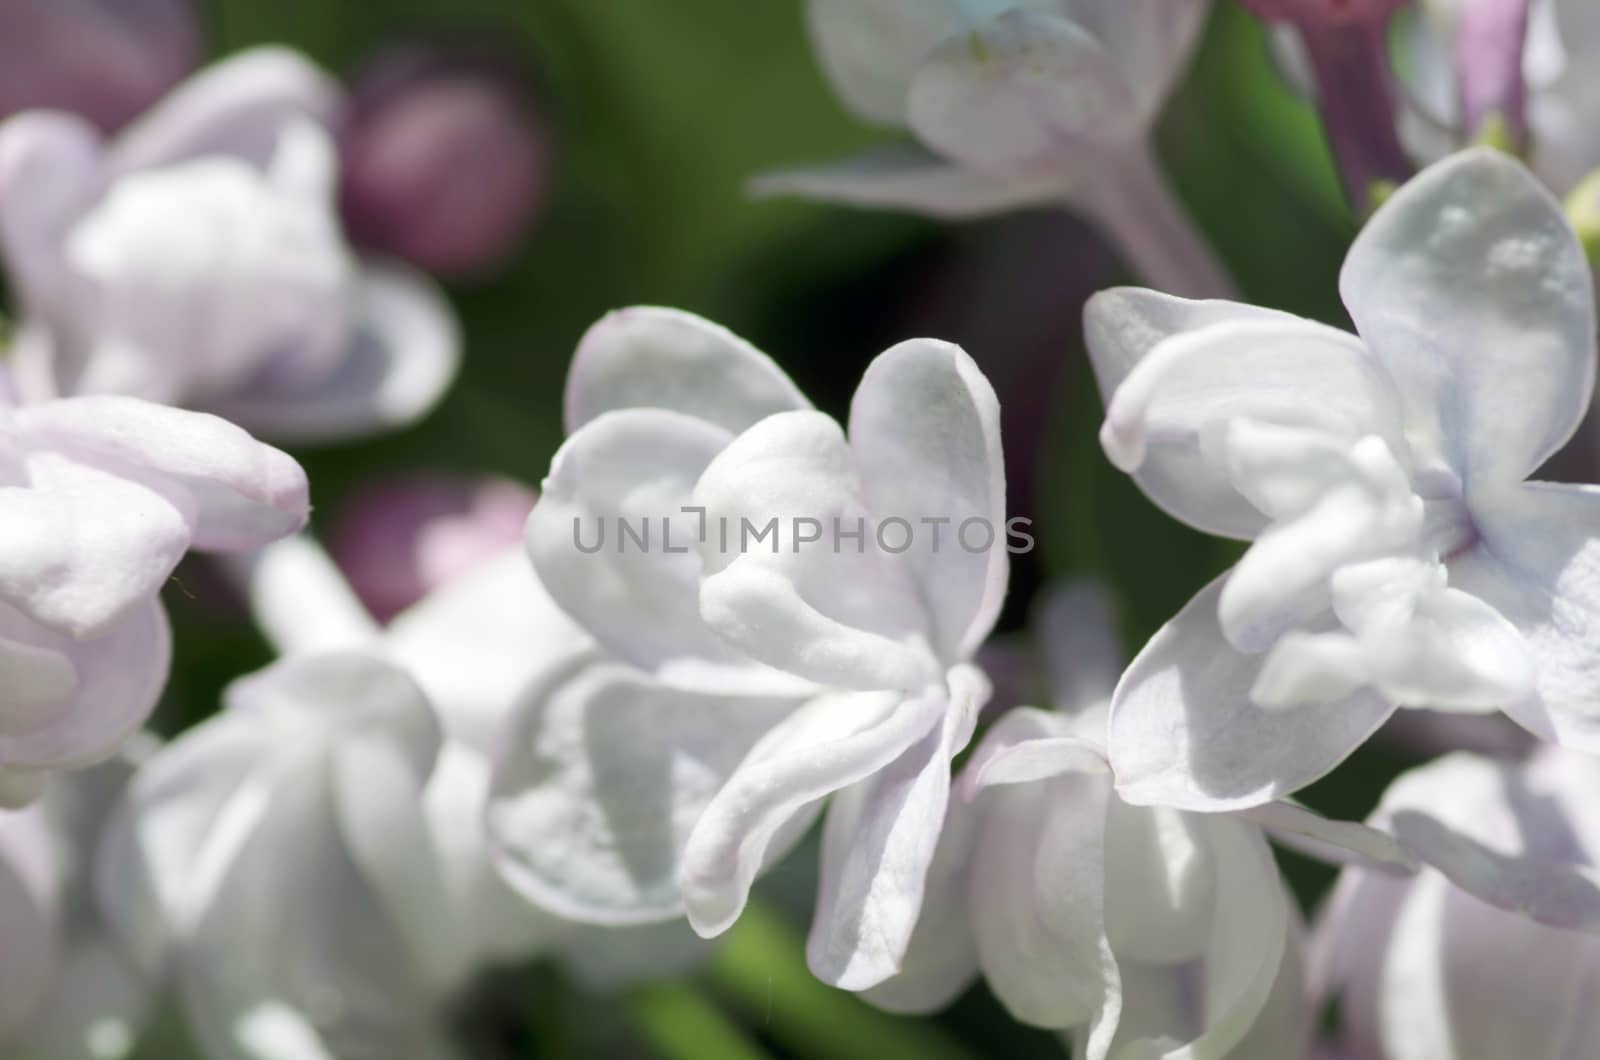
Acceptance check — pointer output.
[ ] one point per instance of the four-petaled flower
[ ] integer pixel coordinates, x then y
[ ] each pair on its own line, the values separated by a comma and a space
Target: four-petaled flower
776, 673
1398, 556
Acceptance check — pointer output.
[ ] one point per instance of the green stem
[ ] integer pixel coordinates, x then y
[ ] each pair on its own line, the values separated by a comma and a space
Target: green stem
761, 969
681, 1024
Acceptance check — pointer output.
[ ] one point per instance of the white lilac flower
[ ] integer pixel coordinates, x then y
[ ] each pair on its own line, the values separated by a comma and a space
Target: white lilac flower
196, 259
1494, 956
1145, 931
290, 828
1015, 103
67, 992
756, 678
1398, 556
100, 497
329, 823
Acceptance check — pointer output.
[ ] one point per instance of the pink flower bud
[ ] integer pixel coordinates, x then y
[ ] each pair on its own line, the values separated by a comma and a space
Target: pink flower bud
446, 162
104, 59
401, 539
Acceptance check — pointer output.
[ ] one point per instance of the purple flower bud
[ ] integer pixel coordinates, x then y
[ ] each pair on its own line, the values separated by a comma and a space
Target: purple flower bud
104, 59
399, 540
1324, 12
446, 161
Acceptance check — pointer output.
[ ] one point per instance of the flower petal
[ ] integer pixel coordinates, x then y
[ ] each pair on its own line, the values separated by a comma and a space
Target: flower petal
649, 357
120, 676
634, 471
1537, 563
910, 177
925, 430
823, 747
871, 49
478, 641
1471, 286
50, 173
1339, 842
30, 916
1509, 837
239, 494
1038, 892
941, 959
1023, 89
1125, 326
845, 615
877, 847
1185, 733
237, 106
601, 778
404, 353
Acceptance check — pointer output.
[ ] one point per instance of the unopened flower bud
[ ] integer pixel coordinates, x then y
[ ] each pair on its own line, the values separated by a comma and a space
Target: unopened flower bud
446, 161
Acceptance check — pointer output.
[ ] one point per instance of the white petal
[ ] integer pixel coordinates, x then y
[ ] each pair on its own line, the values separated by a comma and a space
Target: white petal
1538, 565
1122, 326
403, 354
1339, 842
119, 678
478, 641
628, 471
83, 547
649, 357
29, 916
1022, 89
97, 1008
1158, 865
941, 959
242, 494
925, 430
601, 778
1038, 891
877, 847
1185, 733
1026, 745
840, 612
1471, 286
1249, 934
909, 177
50, 172
825, 746
1503, 835
237, 106
871, 49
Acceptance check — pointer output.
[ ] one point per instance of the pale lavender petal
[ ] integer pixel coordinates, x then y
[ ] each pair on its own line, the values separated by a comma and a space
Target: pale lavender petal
651, 357
1470, 285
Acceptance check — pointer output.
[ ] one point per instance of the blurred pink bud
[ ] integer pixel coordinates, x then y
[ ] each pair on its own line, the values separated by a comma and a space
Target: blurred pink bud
399, 540
104, 59
1325, 12
445, 160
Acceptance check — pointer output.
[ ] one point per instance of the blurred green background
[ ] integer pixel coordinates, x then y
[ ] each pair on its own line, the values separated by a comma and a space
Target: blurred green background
661, 112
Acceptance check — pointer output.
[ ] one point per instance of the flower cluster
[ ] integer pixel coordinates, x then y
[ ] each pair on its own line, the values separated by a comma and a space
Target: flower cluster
493, 736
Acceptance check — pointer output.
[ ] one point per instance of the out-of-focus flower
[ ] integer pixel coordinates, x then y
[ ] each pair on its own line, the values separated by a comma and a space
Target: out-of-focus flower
330, 823
1016, 104
797, 666
196, 259
1398, 555
67, 992
399, 540
291, 828
104, 59
1484, 959
100, 497
1342, 45
1144, 931
1466, 61
446, 163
